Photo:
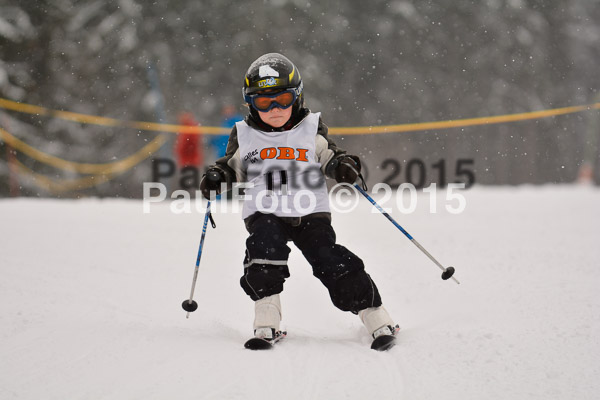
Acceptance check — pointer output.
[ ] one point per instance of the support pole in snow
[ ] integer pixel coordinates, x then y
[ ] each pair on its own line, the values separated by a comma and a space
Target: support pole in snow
447, 272
190, 305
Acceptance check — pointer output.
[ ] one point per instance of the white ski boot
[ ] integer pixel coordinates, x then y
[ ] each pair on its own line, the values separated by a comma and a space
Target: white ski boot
267, 316
380, 326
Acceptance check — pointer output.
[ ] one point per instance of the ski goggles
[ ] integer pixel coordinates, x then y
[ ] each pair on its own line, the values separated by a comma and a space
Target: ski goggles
266, 102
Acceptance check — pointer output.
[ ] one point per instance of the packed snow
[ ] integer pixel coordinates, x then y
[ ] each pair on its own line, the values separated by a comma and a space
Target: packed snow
91, 293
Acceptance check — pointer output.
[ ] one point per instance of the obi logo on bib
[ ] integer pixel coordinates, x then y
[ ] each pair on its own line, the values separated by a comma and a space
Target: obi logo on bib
284, 153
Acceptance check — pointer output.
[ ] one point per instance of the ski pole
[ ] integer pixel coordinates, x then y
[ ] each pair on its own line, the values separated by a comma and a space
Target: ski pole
190, 305
447, 272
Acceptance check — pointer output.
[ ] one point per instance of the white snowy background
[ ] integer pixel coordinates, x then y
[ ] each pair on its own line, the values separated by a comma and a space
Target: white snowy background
90, 295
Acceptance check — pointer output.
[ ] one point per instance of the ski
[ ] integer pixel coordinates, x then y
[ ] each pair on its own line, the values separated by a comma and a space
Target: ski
256, 343
385, 342
381, 342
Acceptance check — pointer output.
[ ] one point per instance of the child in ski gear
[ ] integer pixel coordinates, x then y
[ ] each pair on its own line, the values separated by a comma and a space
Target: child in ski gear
283, 151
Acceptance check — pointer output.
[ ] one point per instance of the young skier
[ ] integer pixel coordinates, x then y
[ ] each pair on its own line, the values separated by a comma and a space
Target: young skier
282, 151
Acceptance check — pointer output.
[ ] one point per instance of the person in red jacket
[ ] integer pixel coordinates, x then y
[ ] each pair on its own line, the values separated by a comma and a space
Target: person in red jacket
188, 147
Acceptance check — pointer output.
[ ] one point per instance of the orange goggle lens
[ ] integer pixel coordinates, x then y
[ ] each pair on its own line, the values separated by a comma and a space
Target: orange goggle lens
284, 99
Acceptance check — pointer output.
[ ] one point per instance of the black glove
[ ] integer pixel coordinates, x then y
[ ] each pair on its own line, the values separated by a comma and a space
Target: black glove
211, 182
347, 169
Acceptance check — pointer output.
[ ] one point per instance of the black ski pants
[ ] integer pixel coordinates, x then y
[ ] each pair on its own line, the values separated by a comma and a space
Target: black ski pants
340, 270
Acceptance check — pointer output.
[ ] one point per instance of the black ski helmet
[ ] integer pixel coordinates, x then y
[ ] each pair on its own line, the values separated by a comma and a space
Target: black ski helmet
273, 71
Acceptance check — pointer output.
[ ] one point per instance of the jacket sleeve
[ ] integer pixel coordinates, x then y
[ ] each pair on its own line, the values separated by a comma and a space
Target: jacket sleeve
323, 130
327, 150
230, 164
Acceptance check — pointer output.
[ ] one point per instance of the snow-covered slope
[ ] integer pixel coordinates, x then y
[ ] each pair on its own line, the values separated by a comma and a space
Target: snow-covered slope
90, 295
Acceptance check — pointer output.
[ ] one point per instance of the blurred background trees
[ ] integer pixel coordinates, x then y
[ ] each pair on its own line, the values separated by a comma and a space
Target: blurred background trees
363, 63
